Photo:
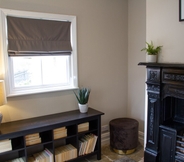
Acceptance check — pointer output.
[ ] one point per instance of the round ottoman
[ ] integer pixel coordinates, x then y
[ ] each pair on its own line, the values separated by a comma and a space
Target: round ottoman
123, 135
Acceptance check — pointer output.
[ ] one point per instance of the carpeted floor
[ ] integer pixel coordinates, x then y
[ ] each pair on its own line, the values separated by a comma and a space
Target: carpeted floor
125, 159
110, 156
142, 160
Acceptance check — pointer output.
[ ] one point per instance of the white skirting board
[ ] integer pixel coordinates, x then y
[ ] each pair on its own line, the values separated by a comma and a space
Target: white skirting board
105, 135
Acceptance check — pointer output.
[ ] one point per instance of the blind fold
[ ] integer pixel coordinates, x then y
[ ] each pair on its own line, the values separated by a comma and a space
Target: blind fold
38, 37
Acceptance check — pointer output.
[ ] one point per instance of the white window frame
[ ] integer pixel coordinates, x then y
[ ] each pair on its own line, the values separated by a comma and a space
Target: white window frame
4, 53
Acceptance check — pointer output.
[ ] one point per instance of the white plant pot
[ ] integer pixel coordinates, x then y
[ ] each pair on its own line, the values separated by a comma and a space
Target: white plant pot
151, 58
83, 108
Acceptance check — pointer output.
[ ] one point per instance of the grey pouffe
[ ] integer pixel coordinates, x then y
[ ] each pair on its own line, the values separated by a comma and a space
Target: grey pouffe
123, 135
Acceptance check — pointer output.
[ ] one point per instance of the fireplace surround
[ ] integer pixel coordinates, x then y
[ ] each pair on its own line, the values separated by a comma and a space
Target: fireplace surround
165, 112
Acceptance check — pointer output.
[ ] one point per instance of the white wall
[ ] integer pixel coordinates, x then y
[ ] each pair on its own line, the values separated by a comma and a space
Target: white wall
156, 21
136, 74
163, 28
102, 30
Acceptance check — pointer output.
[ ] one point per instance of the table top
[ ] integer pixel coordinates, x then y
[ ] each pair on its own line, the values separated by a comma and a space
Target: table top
19, 126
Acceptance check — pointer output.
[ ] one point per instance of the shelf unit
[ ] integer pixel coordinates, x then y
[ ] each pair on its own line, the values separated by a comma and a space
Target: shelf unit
44, 125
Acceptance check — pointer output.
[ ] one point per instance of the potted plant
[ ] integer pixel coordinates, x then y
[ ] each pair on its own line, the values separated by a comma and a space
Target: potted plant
152, 52
82, 96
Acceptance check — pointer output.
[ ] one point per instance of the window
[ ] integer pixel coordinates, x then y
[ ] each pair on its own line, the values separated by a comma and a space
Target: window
34, 71
29, 74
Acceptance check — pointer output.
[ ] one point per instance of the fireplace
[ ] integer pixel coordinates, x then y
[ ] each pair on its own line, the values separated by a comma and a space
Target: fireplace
165, 118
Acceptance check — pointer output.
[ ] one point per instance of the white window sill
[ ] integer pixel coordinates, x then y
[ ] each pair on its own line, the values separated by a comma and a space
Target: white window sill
46, 90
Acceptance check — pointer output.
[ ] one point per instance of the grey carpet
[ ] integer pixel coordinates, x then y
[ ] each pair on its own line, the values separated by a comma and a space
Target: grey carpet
125, 159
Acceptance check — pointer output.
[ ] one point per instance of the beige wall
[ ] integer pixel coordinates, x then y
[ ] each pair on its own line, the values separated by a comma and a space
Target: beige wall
136, 74
163, 28
102, 32
157, 21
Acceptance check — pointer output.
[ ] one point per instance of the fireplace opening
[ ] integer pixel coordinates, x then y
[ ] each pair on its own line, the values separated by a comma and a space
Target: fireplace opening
173, 110
173, 128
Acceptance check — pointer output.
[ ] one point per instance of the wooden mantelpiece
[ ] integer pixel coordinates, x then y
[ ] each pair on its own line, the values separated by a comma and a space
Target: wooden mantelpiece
165, 117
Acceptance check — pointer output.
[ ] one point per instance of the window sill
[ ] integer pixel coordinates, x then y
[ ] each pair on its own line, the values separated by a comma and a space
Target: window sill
38, 91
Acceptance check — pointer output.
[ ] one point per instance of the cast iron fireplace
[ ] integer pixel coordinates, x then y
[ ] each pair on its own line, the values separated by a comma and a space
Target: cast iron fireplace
165, 118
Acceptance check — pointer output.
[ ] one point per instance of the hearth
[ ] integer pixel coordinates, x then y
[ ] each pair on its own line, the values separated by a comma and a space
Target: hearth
165, 118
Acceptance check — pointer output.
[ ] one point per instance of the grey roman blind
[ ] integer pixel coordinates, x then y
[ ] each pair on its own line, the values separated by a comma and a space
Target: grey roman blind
38, 37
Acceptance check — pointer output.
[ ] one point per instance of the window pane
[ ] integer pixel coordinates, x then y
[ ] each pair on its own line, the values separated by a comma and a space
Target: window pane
26, 71
54, 69
40, 71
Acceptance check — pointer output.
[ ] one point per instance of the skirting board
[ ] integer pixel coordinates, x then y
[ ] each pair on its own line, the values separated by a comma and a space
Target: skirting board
105, 135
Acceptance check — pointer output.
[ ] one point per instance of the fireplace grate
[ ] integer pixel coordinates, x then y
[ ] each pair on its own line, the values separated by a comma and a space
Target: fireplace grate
179, 156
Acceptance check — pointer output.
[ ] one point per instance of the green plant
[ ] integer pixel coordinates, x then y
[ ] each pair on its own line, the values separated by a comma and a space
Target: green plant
151, 50
82, 95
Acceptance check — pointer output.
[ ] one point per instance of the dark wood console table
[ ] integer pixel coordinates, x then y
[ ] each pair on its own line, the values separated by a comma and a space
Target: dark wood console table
44, 125
165, 115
